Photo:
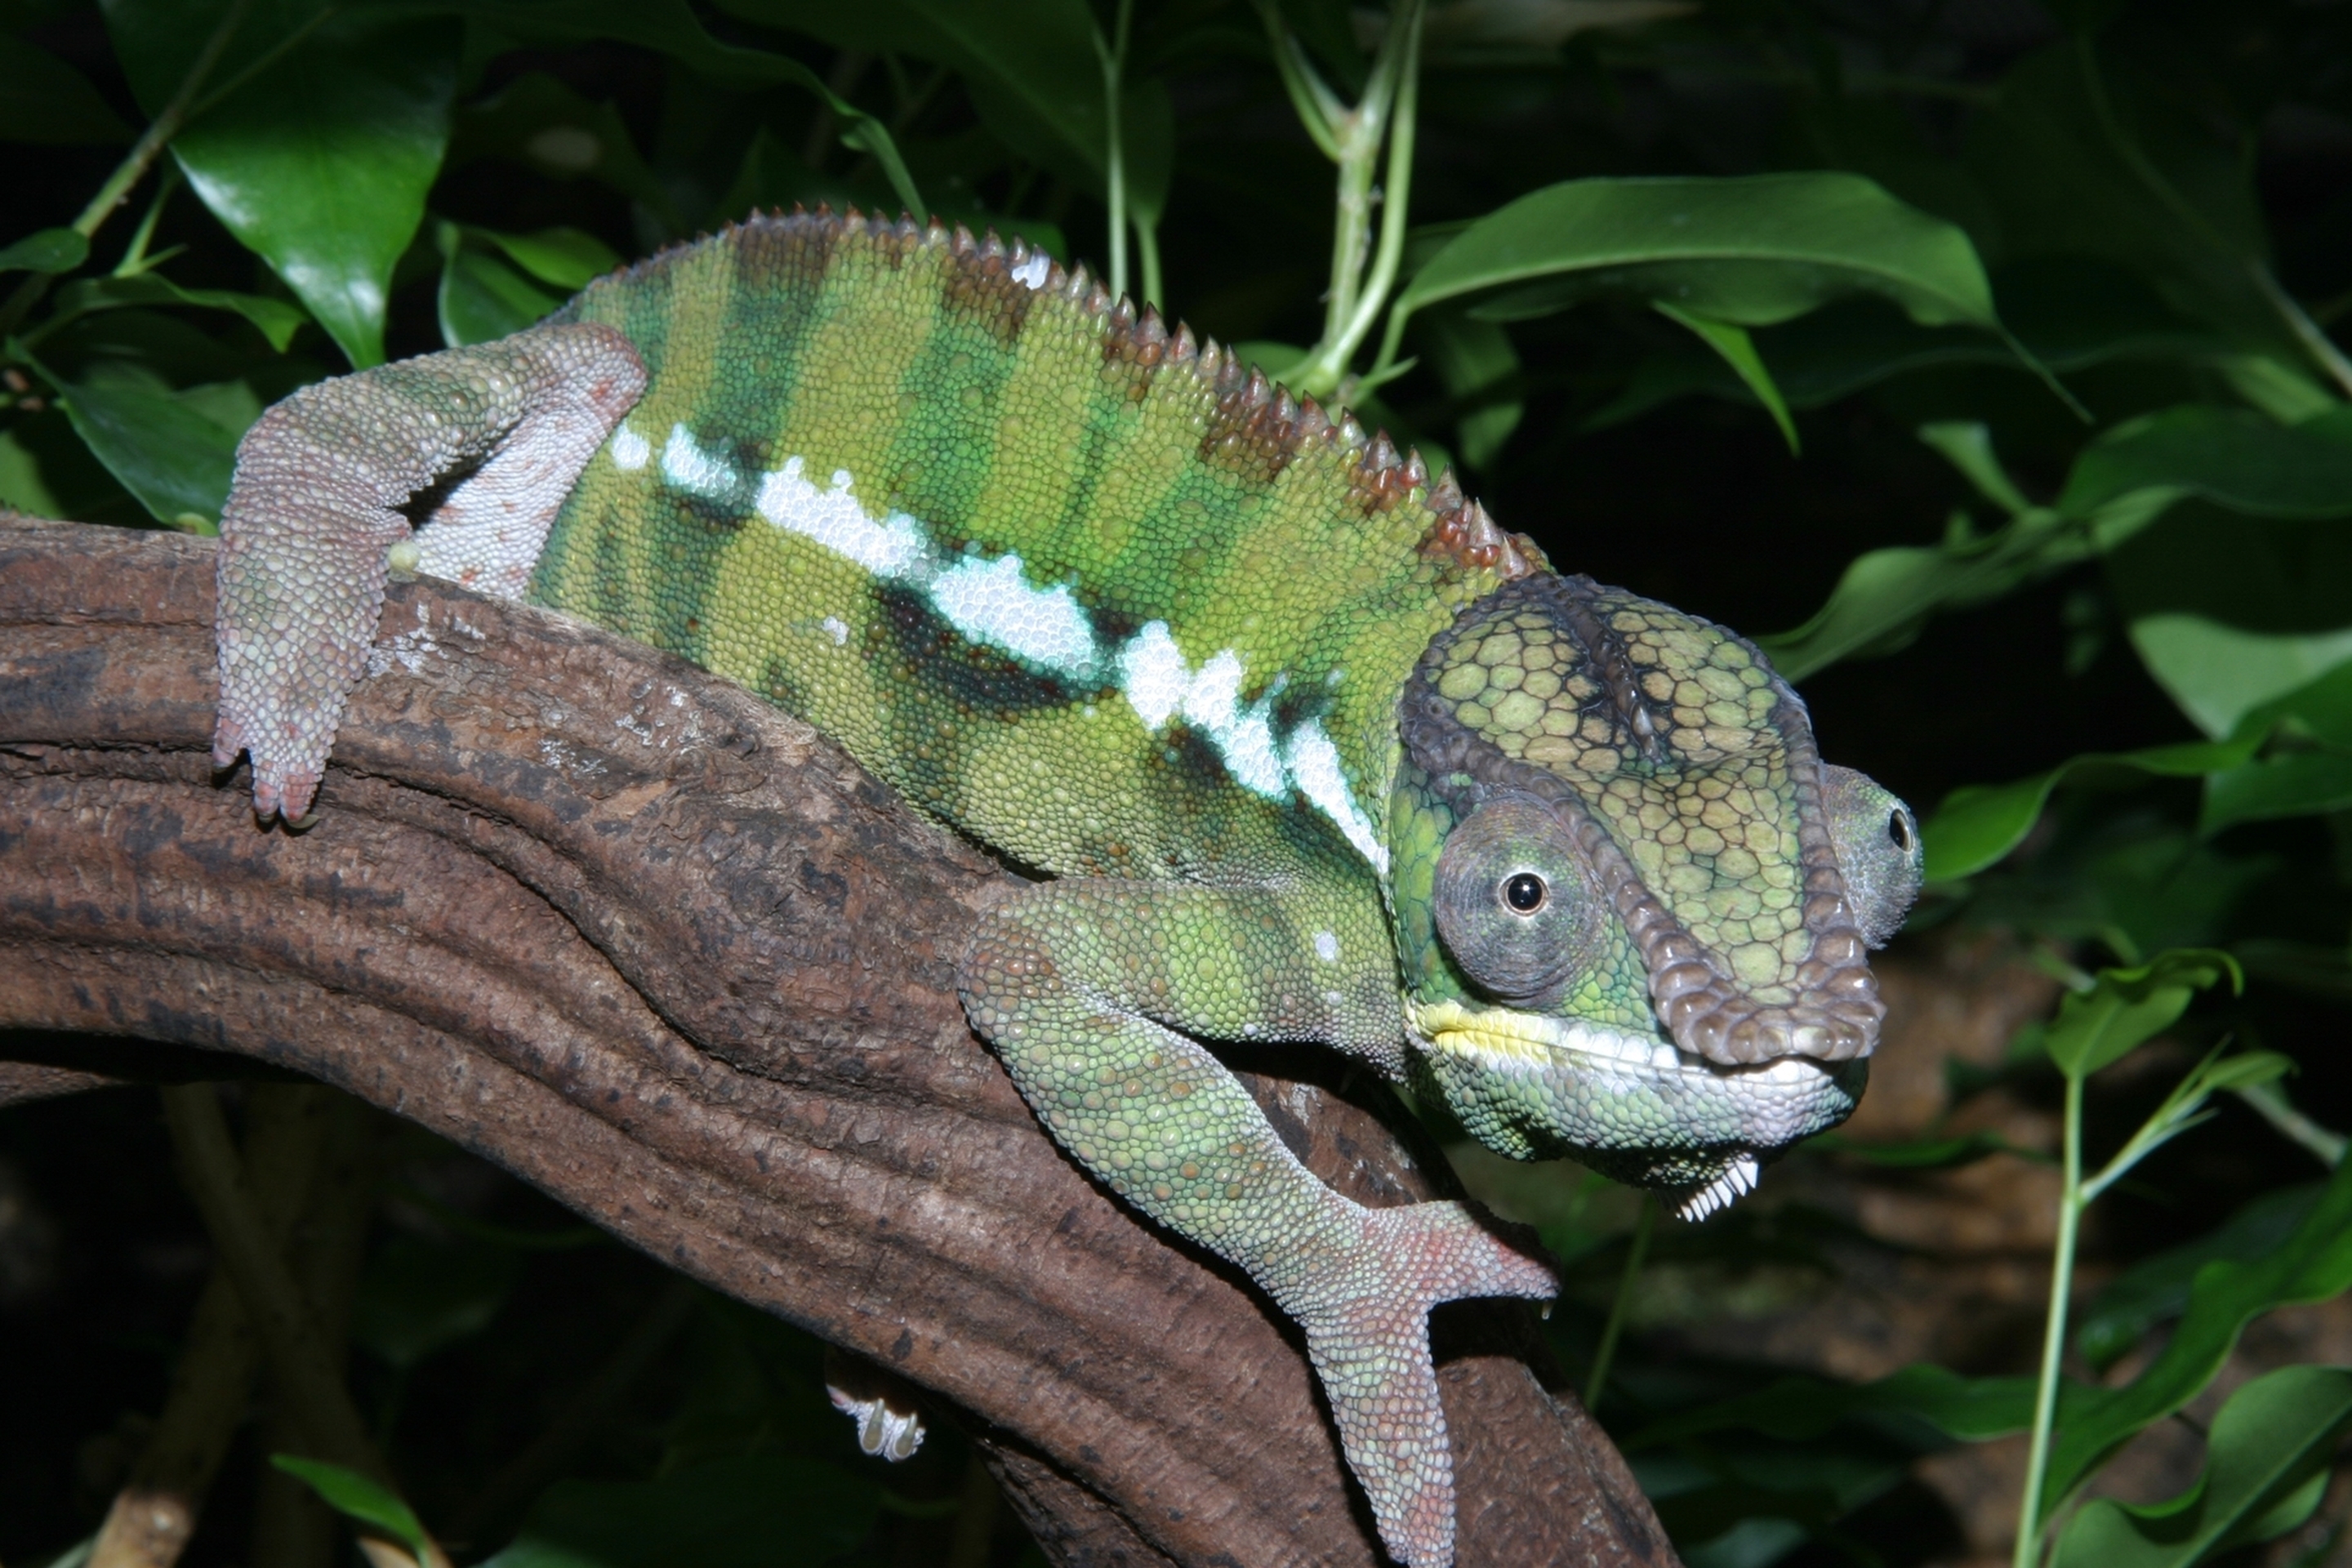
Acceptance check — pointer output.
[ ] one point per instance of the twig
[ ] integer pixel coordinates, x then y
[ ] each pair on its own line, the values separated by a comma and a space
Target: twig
975, 1516
544, 1459
291, 1527
1112, 56
2029, 1517
1597, 1382
135, 164
155, 1513
2271, 1102
304, 1376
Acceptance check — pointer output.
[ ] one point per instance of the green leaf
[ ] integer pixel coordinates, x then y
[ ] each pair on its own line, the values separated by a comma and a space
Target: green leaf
21, 485
1967, 445
2219, 673
671, 26
2298, 783
2127, 1006
1737, 349
45, 250
173, 450
319, 160
2078, 165
46, 102
482, 298
565, 257
2229, 613
1749, 251
2314, 1264
277, 319
1886, 595
2156, 1290
2069, 313
750, 1511
355, 1495
1918, 1154
547, 125
1032, 73
1477, 365
1747, 1506
1795, 1408
2268, 1445
2074, 311
2231, 456
1977, 825
417, 1298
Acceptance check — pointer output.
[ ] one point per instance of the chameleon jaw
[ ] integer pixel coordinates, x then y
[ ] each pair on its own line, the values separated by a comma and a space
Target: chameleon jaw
1633, 1106
1505, 1041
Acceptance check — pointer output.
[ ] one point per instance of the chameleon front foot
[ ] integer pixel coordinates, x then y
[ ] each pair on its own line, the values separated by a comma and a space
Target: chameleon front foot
315, 509
1366, 1316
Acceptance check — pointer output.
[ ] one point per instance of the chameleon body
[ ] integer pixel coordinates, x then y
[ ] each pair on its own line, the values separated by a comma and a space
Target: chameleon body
1312, 751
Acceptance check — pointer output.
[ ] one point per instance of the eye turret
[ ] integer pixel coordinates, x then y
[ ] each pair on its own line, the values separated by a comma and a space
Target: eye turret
1515, 908
1878, 850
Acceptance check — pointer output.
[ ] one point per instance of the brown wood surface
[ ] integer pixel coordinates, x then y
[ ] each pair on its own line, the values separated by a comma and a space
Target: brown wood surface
663, 951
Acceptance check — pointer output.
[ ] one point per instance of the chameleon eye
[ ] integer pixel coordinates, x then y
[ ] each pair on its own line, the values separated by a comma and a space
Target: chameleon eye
1878, 850
1514, 906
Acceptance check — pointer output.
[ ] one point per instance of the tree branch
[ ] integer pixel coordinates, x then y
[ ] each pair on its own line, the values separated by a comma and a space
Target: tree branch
661, 951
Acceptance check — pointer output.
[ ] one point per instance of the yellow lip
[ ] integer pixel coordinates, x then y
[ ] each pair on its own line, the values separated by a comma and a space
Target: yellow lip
1501, 1037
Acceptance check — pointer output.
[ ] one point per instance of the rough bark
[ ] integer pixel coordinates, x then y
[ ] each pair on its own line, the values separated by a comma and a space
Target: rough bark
665, 952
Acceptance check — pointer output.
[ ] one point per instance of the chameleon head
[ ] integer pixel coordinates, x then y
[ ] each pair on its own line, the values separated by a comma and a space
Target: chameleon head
1633, 904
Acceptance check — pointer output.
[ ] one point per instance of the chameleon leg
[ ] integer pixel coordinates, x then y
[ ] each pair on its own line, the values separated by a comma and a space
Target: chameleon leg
311, 516
1083, 986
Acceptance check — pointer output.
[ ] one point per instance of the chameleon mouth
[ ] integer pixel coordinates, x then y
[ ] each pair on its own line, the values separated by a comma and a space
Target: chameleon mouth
1504, 1040
1631, 1105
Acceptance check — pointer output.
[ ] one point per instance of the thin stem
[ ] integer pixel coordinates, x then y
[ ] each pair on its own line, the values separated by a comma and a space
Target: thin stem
135, 164
1319, 108
2308, 332
1113, 56
263, 61
134, 254
1397, 197
1598, 1379
1386, 113
2054, 1338
1147, 249
579, 1420
298, 1366
2325, 1145
976, 1519
2304, 330
842, 79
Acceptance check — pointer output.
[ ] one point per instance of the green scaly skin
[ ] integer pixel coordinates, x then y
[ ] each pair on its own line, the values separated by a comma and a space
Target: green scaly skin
1316, 752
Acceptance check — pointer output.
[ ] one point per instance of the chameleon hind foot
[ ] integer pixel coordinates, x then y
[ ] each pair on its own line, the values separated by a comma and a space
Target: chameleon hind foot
1366, 1315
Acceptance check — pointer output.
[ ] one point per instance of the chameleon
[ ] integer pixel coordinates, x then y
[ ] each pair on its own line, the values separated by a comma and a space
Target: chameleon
1303, 746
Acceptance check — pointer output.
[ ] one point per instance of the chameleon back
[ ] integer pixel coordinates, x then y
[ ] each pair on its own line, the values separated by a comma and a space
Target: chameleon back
1102, 598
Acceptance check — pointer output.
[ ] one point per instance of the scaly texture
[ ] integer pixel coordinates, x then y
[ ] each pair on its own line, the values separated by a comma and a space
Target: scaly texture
1293, 722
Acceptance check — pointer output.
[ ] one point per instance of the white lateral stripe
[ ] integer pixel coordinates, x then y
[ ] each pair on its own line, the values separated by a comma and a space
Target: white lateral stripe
630, 450
1152, 672
1315, 767
893, 548
689, 468
990, 602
